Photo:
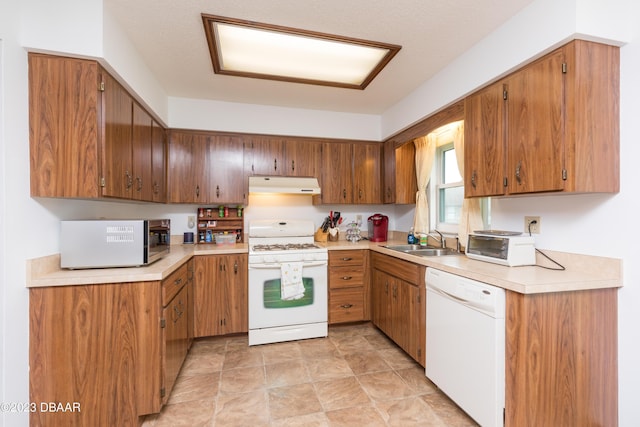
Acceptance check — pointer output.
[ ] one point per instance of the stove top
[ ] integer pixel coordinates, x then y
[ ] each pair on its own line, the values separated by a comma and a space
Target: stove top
283, 247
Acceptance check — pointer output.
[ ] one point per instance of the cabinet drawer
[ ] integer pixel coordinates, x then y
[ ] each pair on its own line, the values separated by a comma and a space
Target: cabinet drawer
346, 277
345, 258
405, 270
346, 305
172, 284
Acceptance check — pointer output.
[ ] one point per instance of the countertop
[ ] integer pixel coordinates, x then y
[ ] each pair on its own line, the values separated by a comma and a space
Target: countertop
582, 271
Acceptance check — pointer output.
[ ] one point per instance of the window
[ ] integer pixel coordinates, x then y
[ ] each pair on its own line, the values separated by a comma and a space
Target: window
448, 189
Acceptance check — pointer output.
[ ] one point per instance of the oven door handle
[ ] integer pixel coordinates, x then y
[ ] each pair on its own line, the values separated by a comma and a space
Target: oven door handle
277, 265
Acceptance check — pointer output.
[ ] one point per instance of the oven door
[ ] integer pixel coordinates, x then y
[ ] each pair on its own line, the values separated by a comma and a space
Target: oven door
268, 309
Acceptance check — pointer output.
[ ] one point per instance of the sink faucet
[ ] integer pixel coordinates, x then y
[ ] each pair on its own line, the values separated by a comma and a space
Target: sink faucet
441, 240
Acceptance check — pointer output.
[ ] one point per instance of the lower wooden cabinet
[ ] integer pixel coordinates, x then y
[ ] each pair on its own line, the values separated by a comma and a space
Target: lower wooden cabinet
114, 349
348, 286
175, 327
398, 302
220, 295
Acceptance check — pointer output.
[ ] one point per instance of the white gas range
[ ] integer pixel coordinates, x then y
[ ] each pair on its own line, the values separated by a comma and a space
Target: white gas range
287, 282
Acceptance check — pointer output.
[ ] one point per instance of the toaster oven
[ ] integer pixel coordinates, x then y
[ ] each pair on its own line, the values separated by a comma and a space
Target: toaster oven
502, 247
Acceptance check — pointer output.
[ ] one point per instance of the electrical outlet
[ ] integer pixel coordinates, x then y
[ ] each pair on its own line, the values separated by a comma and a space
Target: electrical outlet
532, 224
191, 221
359, 220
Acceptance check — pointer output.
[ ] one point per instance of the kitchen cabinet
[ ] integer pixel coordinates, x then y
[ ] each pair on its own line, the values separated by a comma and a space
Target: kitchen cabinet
561, 359
175, 326
398, 302
400, 179
115, 348
158, 163
552, 126
64, 127
351, 173
220, 295
348, 286
268, 156
88, 137
205, 168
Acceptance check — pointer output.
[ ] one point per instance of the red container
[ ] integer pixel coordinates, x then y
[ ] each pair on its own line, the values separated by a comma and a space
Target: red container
378, 227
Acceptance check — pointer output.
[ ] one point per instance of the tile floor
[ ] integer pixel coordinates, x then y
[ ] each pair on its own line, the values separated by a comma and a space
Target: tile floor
354, 377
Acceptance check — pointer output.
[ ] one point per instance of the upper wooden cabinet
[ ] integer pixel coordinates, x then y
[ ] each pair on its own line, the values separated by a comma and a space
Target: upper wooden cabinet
551, 126
205, 168
64, 127
351, 173
158, 162
88, 137
280, 156
400, 180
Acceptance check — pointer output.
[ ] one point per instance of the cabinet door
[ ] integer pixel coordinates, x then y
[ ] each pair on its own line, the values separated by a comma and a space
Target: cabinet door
226, 169
367, 173
382, 287
302, 158
484, 142
406, 181
176, 338
187, 172
64, 109
142, 160
336, 178
158, 163
265, 156
535, 135
233, 301
205, 315
117, 115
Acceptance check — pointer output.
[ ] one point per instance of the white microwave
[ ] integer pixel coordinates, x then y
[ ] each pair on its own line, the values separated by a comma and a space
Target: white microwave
502, 247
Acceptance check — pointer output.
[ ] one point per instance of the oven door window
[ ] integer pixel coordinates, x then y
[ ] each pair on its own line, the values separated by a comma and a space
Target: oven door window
272, 295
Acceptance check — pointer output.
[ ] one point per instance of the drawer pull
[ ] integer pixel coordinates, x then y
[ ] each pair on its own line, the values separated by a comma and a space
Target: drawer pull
347, 258
346, 306
178, 281
347, 277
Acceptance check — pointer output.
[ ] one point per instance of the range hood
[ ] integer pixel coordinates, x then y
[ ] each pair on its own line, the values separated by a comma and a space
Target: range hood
283, 185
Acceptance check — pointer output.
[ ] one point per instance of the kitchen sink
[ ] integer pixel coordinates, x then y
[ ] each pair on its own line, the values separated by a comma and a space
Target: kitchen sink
422, 250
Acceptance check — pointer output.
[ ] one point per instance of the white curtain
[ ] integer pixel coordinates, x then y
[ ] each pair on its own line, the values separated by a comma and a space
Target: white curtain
471, 216
425, 153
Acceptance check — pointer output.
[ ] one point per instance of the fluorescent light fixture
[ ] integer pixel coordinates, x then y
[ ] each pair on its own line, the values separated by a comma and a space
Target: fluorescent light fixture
249, 49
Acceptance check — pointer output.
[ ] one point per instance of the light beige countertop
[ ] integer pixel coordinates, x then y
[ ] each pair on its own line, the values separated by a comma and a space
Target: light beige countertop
582, 271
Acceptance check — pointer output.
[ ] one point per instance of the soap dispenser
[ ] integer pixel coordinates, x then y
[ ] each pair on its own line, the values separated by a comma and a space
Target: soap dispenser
411, 238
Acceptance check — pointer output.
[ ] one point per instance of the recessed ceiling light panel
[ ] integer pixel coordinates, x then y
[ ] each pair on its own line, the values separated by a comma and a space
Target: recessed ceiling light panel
248, 49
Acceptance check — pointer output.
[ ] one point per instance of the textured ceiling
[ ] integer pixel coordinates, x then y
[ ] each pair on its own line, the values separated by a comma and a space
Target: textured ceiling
170, 38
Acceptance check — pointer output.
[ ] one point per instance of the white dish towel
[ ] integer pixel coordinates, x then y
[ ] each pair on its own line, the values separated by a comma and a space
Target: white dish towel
291, 286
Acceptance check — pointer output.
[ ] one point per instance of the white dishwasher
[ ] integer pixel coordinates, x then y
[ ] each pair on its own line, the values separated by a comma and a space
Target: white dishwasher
465, 347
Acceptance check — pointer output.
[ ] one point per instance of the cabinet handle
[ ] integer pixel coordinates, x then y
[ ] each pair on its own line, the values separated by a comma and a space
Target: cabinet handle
156, 188
139, 180
344, 193
218, 191
395, 291
275, 164
518, 169
235, 267
474, 177
197, 191
386, 287
293, 165
129, 179
347, 258
178, 281
347, 277
346, 306
359, 194
388, 192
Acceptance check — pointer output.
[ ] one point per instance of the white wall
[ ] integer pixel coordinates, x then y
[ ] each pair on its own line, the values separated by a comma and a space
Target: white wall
593, 224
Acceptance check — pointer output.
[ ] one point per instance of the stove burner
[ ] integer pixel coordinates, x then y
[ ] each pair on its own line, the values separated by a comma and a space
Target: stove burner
284, 246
